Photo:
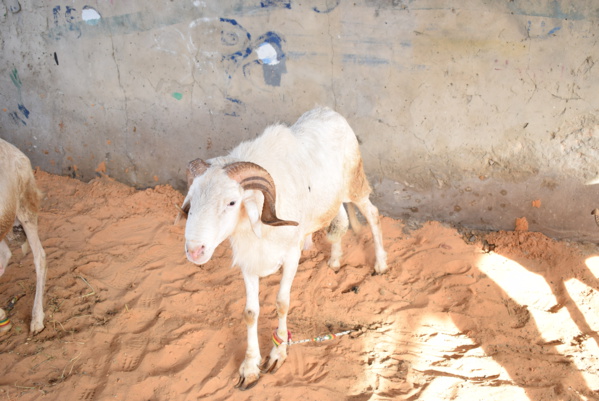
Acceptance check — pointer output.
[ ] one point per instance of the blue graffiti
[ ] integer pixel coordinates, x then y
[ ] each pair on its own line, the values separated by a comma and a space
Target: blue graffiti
272, 62
68, 15
238, 36
276, 3
552, 9
69, 20
542, 33
328, 9
364, 60
56, 13
272, 38
16, 117
23, 110
554, 30
14, 77
236, 104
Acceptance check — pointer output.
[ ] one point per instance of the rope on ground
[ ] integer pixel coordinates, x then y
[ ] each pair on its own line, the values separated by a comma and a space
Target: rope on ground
278, 340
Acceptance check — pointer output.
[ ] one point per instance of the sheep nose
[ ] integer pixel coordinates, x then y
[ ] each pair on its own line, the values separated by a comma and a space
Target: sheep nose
196, 252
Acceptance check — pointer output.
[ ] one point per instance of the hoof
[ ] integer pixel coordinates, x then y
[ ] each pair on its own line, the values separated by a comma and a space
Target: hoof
380, 268
246, 383
36, 329
335, 265
269, 365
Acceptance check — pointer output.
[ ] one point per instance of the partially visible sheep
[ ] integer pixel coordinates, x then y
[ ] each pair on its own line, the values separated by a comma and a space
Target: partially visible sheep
19, 205
304, 173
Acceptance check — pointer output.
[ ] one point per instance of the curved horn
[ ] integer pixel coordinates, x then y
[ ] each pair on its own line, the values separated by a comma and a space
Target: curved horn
195, 168
251, 176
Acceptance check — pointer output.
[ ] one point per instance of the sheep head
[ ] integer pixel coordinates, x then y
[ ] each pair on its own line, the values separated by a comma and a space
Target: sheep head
214, 202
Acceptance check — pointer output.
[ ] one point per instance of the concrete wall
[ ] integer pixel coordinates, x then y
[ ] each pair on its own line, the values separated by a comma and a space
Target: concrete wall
466, 113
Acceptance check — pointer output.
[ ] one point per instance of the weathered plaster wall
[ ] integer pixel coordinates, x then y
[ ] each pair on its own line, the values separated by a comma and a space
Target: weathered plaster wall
466, 112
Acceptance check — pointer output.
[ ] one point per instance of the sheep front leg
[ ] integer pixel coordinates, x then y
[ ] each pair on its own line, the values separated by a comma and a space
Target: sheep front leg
249, 371
5, 255
278, 354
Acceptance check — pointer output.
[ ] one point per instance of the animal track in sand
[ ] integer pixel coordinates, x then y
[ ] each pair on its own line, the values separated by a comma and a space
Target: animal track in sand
131, 353
122, 279
87, 394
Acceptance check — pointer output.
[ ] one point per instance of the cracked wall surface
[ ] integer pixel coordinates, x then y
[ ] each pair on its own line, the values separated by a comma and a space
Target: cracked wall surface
470, 114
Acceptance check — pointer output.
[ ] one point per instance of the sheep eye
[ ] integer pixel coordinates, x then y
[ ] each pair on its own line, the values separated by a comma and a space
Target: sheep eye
232, 203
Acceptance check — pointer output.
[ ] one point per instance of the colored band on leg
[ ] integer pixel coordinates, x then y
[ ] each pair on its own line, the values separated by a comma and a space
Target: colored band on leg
276, 340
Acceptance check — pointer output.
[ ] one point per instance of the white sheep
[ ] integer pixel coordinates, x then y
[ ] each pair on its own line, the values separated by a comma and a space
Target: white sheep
19, 204
314, 166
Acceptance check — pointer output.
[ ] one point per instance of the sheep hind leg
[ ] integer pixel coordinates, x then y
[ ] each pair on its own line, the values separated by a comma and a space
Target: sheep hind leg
29, 223
372, 216
336, 231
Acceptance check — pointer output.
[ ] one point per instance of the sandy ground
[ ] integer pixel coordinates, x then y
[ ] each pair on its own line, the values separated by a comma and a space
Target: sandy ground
459, 316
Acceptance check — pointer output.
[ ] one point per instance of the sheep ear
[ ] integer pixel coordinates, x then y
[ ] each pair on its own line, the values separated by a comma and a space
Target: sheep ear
184, 209
195, 168
251, 204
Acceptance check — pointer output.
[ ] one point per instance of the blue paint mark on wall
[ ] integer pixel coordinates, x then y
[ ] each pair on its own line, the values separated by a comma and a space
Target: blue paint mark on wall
68, 18
547, 9
268, 48
539, 30
364, 60
554, 30
56, 14
14, 77
23, 111
118, 25
275, 4
326, 8
234, 35
231, 110
16, 118
270, 53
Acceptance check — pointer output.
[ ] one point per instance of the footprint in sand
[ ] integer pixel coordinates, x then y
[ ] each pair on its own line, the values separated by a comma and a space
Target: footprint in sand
144, 315
305, 372
122, 279
150, 301
88, 389
87, 394
131, 354
147, 260
151, 258
314, 373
